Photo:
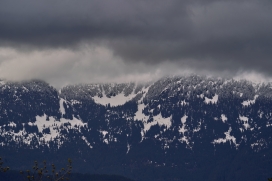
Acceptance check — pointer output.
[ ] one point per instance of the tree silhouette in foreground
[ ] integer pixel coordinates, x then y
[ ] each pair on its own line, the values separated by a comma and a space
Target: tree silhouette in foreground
3, 169
43, 173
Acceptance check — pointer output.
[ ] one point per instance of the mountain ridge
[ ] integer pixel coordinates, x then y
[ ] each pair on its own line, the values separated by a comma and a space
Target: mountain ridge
175, 122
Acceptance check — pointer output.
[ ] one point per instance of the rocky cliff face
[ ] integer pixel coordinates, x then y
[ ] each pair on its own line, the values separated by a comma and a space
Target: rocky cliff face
182, 128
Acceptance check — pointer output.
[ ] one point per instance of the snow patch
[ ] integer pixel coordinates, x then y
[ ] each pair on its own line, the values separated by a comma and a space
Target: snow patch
12, 124
86, 141
117, 100
183, 121
75, 102
106, 141
212, 101
139, 115
200, 96
62, 109
198, 128
227, 138
128, 147
261, 115
268, 123
249, 102
53, 125
104, 133
183, 103
43, 122
245, 121
158, 120
183, 130
259, 145
224, 118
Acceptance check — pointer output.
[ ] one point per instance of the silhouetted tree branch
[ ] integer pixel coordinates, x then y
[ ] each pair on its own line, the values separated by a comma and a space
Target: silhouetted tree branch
3, 169
43, 173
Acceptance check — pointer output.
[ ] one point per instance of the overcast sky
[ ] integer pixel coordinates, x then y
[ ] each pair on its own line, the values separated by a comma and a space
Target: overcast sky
73, 41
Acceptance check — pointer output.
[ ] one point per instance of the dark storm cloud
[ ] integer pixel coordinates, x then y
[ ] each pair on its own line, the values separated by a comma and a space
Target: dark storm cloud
60, 23
212, 35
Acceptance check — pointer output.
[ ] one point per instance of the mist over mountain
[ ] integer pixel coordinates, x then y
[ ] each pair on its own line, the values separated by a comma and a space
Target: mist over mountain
176, 128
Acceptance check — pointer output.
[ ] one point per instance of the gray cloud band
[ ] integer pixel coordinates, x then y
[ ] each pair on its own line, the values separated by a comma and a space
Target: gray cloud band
214, 35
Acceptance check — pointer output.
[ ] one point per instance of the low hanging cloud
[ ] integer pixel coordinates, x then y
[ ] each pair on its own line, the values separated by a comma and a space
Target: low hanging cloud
87, 64
80, 41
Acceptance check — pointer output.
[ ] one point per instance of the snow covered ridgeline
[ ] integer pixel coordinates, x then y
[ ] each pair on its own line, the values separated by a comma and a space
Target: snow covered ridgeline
208, 89
155, 99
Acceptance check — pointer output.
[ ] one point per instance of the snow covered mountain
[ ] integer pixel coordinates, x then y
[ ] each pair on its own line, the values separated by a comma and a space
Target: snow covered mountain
182, 128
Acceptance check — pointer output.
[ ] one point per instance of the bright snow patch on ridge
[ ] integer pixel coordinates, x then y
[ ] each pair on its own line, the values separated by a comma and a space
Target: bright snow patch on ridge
249, 102
117, 100
213, 100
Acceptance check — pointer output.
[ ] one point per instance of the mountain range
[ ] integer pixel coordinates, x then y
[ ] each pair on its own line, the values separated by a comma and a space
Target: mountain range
175, 128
